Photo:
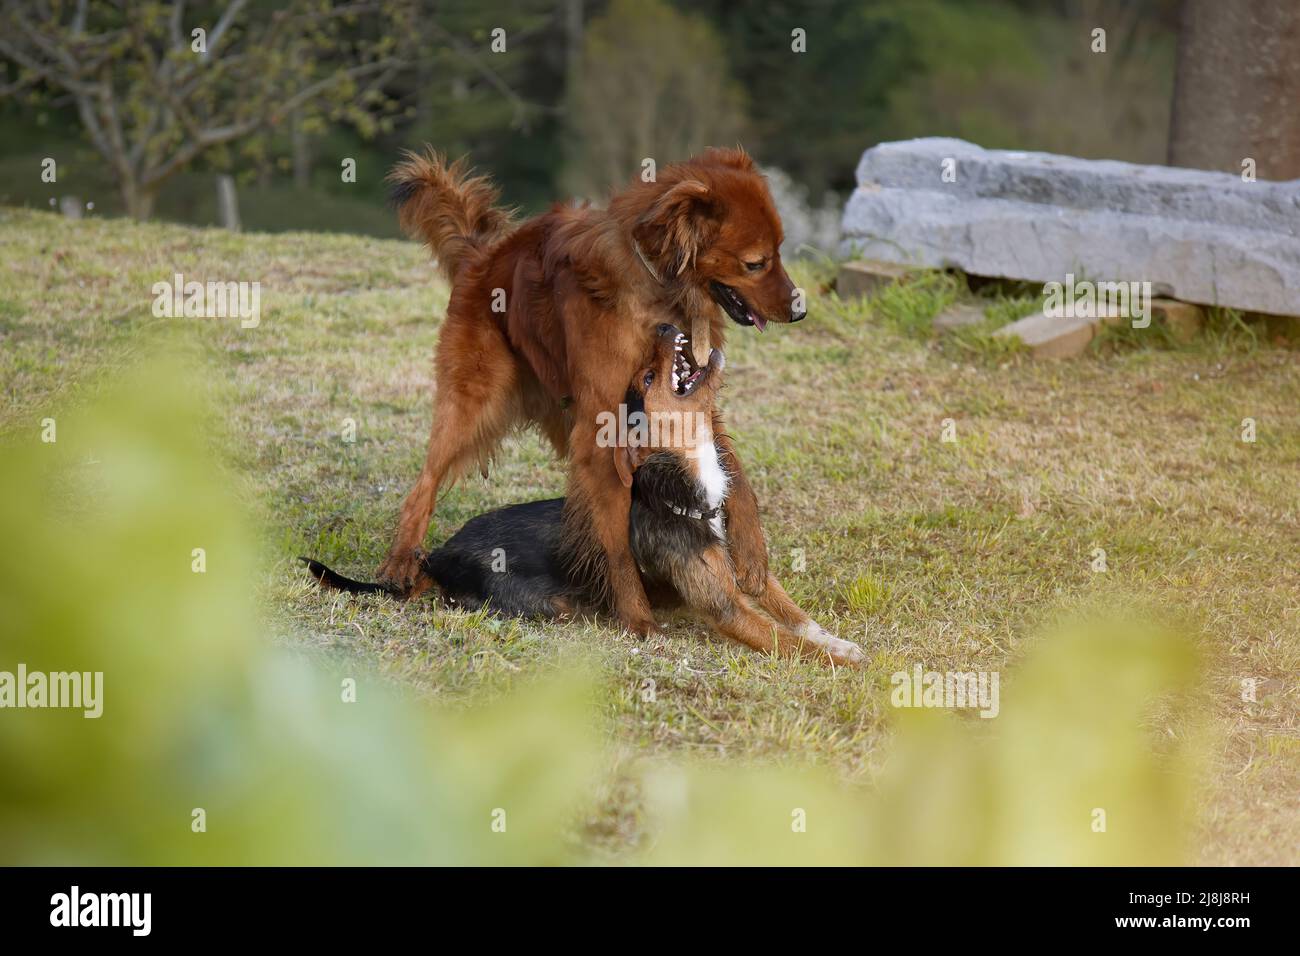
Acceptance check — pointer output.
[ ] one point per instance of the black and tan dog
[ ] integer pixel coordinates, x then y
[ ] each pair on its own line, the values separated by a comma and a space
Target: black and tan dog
511, 560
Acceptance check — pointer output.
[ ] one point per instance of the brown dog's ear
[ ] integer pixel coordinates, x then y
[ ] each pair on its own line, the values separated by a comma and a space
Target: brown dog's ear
677, 225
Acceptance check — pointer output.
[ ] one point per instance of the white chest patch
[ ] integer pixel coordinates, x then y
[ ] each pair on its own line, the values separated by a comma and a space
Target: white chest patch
708, 470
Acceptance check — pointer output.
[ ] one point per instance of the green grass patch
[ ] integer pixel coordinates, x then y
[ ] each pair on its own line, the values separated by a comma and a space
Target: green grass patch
952, 554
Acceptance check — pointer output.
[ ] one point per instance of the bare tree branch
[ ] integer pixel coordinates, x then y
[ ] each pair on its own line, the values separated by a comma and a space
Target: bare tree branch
174, 24
219, 31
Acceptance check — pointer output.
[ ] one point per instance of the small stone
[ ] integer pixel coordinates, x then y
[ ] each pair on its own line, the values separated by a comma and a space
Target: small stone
866, 277
1183, 319
1051, 338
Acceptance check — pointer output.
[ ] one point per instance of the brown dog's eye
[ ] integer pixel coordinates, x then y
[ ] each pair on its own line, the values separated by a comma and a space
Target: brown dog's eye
649, 379
756, 266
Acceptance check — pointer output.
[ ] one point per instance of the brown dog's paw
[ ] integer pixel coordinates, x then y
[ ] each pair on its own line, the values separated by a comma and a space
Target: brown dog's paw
401, 571
643, 627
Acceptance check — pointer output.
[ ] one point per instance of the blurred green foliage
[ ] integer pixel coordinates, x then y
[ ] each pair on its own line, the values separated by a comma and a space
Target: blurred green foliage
1076, 735
199, 711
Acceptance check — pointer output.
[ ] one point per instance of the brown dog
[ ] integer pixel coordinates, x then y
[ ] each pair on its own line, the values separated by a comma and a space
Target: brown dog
548, 321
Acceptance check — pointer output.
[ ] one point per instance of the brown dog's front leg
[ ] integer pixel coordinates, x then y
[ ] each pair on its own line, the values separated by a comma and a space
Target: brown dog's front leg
627, 592
473, 408
745, 540
597, 532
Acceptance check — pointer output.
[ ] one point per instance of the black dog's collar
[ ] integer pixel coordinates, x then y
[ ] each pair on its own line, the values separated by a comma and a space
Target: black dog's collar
695, 512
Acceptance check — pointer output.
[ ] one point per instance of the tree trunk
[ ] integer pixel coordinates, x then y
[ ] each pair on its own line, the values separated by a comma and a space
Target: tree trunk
572, 37
1237, 88
227, 203
424, 78
138, 200
301, 153
298, 142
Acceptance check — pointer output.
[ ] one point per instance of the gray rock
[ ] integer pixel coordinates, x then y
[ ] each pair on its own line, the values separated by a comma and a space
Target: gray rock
1197, 236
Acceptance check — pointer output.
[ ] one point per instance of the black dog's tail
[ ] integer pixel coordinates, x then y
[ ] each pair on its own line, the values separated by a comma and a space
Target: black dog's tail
332, 579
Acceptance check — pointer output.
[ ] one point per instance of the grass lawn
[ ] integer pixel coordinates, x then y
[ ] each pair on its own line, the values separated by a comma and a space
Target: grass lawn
952, 554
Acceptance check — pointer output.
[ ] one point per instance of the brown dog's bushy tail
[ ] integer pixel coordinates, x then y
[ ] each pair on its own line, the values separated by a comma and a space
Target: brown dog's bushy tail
453, 211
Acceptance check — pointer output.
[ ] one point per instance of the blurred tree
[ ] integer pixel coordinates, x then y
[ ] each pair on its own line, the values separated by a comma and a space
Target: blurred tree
650, 83
1237, 88
1017, 74
497, 102
159, 85
1007, 78
819, 98
821, 82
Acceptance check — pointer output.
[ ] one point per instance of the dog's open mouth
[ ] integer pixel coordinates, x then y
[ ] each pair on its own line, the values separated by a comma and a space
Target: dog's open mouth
734, 304
686, 376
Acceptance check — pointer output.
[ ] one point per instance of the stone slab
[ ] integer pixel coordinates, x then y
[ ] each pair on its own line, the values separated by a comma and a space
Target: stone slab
1201, 237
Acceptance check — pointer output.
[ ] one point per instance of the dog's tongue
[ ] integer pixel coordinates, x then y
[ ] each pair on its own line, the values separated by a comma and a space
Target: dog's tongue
700, 346
759, 321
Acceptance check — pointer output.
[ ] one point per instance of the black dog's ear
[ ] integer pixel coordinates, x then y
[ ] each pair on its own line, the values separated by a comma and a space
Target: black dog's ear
628, 455
678, 224
627, 459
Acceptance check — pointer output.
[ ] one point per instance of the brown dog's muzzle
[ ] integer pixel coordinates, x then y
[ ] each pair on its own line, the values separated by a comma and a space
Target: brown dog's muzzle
772, 299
